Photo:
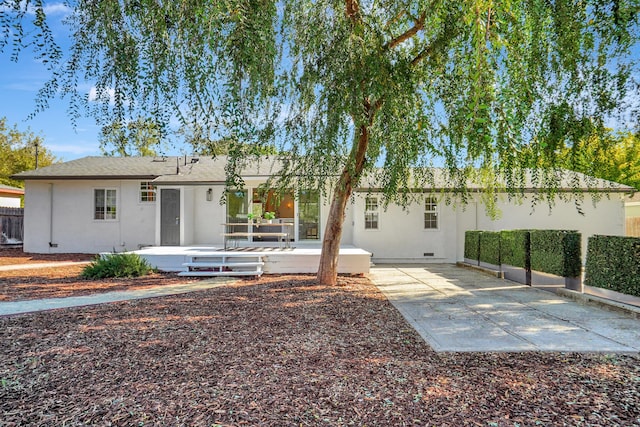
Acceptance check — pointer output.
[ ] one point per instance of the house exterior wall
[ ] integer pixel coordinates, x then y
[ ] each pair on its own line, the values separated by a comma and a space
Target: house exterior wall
632, 210
9, 201
401, 236
208, 216
348, 226
69, 227
187, 214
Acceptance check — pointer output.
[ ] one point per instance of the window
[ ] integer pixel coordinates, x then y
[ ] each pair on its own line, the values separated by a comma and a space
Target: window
371, 213
147, 192
237, 206
430, 213
104, 204
309, 215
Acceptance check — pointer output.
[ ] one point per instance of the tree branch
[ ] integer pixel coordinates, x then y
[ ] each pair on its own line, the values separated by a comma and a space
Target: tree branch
418, 25
352, 10
441, 41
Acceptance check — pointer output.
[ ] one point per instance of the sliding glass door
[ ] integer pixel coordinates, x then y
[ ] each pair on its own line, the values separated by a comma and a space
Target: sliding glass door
309, 215
282, 206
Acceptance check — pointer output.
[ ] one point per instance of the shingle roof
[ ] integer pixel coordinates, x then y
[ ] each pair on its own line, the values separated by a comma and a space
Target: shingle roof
566, 181
104, 168
166, 170
193, 170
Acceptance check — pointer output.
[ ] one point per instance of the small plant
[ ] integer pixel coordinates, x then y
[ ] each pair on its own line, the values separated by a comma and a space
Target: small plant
269, 215
117, 265
250, 216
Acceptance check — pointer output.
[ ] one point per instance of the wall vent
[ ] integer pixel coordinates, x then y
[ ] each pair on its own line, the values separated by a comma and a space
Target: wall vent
427, 254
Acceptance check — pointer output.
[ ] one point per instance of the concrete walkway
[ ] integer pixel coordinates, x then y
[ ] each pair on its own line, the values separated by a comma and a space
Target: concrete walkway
458, 309
18, 307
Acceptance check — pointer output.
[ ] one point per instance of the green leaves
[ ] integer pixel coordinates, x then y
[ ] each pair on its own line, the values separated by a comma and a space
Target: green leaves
514, 248
18, 153
141, 137
117, 265
490, 247
472, 244
556, 252
613, 262
456, 83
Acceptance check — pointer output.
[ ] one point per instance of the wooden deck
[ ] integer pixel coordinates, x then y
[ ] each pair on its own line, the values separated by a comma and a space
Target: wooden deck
271, 260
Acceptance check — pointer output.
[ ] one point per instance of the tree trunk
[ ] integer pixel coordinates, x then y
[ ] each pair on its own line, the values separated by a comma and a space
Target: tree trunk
328, 268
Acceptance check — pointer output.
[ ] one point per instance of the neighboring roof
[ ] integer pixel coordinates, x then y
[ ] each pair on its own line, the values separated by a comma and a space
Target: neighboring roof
7, 190
185, 170
633, 199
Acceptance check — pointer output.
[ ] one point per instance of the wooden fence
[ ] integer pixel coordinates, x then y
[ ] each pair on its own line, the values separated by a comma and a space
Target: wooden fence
11, 225
633, 227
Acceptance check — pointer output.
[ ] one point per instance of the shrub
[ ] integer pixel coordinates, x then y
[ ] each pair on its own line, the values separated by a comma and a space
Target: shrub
472, 244
117, 265
556, 252
613, 262
490, 247
514, 248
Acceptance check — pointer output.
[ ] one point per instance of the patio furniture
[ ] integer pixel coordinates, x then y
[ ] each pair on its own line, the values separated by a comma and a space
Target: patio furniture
253, 230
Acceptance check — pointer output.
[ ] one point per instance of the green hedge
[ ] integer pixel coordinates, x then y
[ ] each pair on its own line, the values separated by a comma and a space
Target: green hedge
490, 247
472, 244
613, 262
556, 252
514, 248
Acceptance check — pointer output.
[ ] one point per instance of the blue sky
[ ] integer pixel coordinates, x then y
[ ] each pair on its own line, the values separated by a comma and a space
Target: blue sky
19, 83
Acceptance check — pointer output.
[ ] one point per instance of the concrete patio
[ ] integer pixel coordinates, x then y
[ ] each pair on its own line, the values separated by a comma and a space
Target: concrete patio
457, 309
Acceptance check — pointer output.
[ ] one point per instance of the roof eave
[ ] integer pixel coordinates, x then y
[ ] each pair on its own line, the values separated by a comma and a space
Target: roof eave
626, 190
84, 177
161, 183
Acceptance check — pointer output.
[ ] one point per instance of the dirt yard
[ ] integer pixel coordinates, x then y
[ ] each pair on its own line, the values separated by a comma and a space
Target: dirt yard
279, 351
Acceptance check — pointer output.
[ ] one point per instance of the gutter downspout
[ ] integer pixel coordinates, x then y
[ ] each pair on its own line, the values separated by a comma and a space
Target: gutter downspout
51, 244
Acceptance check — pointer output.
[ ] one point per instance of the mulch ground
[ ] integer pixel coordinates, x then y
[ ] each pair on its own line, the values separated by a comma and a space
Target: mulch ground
65, 281
59, 282
285, 351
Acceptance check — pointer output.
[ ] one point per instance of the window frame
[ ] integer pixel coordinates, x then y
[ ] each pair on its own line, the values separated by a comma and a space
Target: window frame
371, 215
105, 191
430, 215
150, 190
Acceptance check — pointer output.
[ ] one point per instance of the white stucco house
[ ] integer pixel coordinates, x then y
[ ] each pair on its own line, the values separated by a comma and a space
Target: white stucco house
10, 196
97, 204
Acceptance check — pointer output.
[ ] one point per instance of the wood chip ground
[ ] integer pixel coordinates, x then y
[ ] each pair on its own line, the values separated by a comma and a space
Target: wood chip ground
283, 351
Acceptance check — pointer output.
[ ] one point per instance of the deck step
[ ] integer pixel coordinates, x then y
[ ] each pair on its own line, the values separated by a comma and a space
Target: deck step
225, 265
221, 273
217, 254
203, 264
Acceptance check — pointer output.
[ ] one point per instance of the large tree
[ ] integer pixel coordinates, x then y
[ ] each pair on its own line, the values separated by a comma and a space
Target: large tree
140, 137
18, 151
374, 89
611, 156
